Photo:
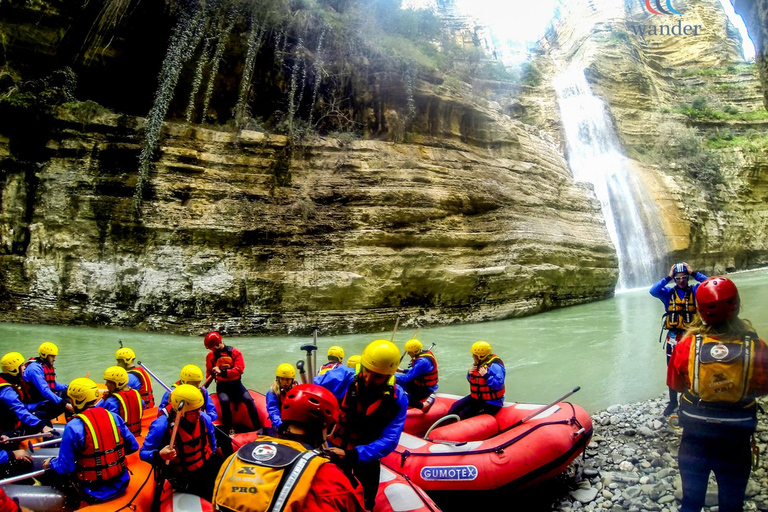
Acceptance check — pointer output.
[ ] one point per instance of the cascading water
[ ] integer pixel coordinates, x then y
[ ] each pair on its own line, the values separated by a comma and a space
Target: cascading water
594, 156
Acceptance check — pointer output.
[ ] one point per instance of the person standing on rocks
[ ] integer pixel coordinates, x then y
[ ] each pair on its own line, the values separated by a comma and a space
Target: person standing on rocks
680, 302
720, 367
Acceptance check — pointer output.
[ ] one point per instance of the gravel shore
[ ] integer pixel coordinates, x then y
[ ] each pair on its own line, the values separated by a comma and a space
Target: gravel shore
631, 465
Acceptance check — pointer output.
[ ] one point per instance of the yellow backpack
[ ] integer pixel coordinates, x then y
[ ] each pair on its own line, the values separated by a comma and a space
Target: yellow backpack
266, 475
721, 371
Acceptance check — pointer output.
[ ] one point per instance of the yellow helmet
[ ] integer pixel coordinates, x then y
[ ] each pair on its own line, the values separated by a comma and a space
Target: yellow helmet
337, 352
353, 360
191, 373
48, 349
190, 398
381, 356
11, 363
125, 354
117, 375
286, 371
82, 391
413, 347
481, 349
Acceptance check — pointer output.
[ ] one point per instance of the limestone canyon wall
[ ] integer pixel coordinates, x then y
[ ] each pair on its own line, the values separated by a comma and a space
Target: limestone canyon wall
474, 218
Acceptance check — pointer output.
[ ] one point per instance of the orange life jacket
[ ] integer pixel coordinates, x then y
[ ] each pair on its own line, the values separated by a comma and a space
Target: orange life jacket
146, 386
429, 379
478, 386
130, 409
9, 420
680, 312
192, 448
223, 358
103, 454
362, 424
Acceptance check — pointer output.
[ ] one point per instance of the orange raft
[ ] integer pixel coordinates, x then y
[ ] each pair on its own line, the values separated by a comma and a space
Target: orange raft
490, 452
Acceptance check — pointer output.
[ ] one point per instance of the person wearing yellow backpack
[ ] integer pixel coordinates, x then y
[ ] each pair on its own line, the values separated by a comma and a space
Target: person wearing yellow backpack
719, 367
290, 473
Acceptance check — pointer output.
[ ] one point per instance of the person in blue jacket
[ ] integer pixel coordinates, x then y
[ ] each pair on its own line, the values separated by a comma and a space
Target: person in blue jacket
121, 399
191, 464
93, 449
680, 303
486, 384
285, 380
14, 414
45, 394
373, 409
420, 379
193, 375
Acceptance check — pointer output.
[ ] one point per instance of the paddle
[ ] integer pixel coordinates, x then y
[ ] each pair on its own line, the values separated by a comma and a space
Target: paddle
208, 381
397, 322
30, 436
19, 478
159, 478
46, 443
310, 366
544, 408
302, 372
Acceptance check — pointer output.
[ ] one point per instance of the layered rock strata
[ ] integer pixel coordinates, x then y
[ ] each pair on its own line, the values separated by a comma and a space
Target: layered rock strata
437, 230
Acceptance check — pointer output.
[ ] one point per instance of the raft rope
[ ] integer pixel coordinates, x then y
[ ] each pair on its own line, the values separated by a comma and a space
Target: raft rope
420, 492
130, 502
499, 449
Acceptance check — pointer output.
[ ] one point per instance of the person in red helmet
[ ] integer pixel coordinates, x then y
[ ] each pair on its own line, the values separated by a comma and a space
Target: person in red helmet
295, 464
719, 368
226, 365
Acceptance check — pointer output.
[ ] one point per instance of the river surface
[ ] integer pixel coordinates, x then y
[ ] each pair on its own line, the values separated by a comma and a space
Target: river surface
608, 348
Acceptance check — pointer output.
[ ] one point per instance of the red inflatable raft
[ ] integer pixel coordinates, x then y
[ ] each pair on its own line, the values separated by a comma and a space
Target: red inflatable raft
490, 452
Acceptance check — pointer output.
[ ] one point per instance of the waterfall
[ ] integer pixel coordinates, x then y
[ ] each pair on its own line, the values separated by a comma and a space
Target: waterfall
594, 156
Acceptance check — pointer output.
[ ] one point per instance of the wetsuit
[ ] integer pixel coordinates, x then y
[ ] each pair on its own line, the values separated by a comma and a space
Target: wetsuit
676, 323
229, 385
370, 424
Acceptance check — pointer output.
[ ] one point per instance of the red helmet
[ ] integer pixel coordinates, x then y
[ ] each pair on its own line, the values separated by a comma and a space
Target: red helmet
212, 340
717, 300
310, 404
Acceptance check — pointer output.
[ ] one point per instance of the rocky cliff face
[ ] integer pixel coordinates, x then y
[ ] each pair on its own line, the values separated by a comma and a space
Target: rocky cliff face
688, 112
475, 217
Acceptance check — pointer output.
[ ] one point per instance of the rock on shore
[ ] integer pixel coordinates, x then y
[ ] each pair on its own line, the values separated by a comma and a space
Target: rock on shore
631, 464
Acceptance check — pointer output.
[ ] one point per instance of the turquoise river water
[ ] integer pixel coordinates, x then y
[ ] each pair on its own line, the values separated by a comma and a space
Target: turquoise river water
609, 348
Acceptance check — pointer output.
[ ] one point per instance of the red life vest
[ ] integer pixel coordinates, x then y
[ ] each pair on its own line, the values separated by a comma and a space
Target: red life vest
146, 386
224, 358
103, 455
680, 312
429, 379
192, 448
130, 409
363, 423
33, 395
9, 420
330, 365
478, 387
